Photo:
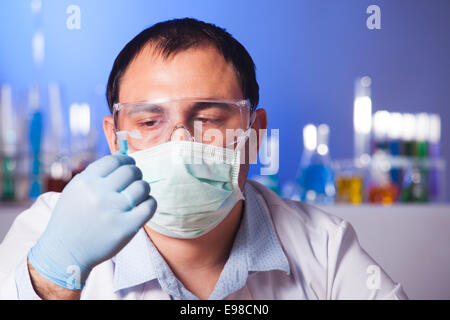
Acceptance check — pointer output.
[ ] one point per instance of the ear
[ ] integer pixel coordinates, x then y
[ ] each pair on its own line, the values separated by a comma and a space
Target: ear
257, 134
110, 134
260, 125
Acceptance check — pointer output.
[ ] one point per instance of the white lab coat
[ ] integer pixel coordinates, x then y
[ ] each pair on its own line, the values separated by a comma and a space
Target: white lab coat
323, 252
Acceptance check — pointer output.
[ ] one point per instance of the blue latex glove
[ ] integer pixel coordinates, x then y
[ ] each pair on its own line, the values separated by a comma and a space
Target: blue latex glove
97, 214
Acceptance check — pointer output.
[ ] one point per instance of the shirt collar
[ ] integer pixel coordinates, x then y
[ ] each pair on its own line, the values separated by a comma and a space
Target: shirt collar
256, 248
263, 248
133, 264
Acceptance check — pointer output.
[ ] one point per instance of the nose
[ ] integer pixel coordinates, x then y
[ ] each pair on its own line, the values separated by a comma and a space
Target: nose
180, 133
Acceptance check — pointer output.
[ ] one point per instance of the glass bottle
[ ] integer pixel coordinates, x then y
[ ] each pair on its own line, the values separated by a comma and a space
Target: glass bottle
316, 176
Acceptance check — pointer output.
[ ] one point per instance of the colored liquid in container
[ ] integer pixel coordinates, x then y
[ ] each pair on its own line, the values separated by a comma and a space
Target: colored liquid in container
349, 189
316, 184
383, 194
415, 186
8, 188
55, 185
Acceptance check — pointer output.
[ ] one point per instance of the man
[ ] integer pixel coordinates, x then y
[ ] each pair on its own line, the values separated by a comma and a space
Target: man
145, 226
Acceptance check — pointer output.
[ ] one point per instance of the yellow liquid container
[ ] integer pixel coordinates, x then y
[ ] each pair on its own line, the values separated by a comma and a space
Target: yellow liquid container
349, 189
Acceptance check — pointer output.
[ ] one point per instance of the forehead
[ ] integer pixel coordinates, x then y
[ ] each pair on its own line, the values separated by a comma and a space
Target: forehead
200, 72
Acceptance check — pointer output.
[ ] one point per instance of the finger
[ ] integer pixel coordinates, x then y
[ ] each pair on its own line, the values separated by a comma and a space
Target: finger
108, 164
122, 177
136, 192
141, 214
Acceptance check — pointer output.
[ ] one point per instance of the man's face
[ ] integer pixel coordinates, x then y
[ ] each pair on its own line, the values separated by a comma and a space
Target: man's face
194, 73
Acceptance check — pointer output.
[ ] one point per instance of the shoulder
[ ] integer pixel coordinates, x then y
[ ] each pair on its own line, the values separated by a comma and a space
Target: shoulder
288, 214
323, 250
306, 233
304, 229
25, 230
40, 211
309, 237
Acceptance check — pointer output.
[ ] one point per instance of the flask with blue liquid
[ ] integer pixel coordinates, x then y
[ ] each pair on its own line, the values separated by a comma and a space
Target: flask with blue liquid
316, 177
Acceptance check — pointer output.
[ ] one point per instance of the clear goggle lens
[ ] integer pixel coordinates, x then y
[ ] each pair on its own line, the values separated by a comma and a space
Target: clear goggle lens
217, 122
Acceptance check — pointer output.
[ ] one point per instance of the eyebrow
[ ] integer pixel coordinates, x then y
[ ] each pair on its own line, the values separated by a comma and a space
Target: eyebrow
199, 106
142, 107
195, 107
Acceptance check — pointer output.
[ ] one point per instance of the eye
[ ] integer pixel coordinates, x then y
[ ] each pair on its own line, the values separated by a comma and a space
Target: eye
205, 120
209, 119
150, 123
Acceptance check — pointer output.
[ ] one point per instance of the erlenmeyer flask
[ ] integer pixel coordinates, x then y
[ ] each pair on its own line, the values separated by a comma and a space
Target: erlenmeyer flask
315, 176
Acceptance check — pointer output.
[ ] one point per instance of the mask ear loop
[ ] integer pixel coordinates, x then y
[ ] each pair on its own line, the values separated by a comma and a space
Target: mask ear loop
242, 139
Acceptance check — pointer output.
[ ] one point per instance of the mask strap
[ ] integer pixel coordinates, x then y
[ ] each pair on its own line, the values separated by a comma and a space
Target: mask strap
242, 139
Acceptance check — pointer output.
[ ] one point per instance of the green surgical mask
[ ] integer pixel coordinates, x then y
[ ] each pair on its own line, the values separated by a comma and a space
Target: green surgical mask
194, 184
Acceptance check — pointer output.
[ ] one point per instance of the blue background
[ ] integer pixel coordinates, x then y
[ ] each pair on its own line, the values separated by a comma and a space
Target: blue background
307, 54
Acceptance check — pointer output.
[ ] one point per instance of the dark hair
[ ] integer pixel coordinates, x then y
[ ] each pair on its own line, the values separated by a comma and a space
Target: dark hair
170, 37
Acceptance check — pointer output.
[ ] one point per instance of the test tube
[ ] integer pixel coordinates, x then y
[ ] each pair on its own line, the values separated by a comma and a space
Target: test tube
362, 119
8, 141
434, 137
122, 141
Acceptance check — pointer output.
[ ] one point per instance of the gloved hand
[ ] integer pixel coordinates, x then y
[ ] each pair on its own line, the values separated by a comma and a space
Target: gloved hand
97, 214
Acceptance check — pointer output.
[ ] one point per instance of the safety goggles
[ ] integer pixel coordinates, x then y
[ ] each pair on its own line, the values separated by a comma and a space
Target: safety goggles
220, 122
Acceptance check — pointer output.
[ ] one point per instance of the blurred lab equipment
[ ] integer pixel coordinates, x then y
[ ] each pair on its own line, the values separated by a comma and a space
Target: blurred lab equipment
8, 143
35, 101
349, 182
58, 168
362, 119
435, 183
415, 129
82, 137
315, 176
269, 156
35, 138
380, 188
